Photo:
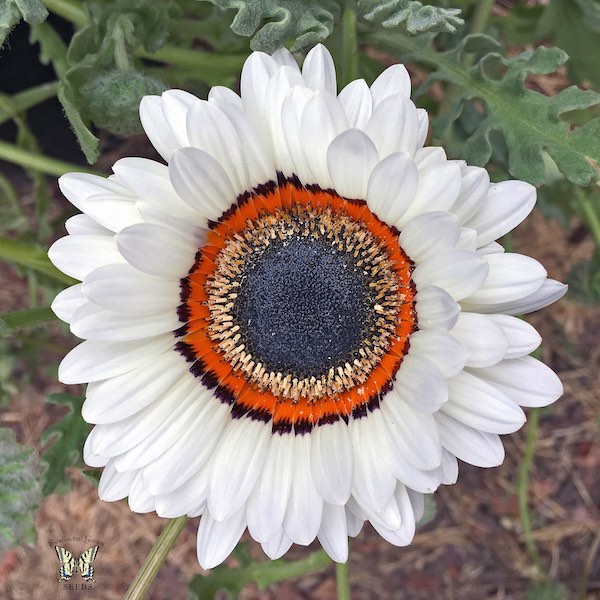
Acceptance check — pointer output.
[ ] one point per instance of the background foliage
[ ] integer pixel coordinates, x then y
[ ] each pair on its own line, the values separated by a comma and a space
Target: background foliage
475, 67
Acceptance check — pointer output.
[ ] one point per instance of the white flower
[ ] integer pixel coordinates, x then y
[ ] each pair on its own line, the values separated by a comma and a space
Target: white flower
302, 321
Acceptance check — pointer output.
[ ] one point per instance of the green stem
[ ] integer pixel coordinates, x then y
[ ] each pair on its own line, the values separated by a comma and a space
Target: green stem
67, 10
21, 319
592, 219
120, 52
349, 45
481, 16
37, 162
30, 97
524, 471
154, 561
342, 580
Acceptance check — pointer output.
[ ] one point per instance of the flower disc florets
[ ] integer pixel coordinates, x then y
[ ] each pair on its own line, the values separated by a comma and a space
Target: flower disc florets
302, 320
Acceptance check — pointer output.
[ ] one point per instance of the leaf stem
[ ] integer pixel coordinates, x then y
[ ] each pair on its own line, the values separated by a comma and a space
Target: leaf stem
342, 580
67, 10
591, 216
154, 561
30, 97
524, 471
349, 45
37, 162
481, 16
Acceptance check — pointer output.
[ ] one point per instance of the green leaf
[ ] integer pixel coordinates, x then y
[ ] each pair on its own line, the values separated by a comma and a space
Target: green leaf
271, 24
21, 319
574, 26
429, 512
52, 49
233, 581
529, 122
66, 438
12, 11
32, 257
21, 477
584, 281
409, 16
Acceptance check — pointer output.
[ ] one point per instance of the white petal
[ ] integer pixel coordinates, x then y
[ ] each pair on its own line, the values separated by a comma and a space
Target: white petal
506, 205
156, 250
394, 80
393, 126
210, 130
125, 290
305, 507
256, 74
457, 272
482, 338
470, 445
322, 120
351, 157
373, 482
201, 182
79, 255
522, 337
449, 468
511, 277
184, 499
332, 463
67, 302
423, 128
236, 466
189, 458
96, 323
436, 308
318, 70
267, 503
333, 533
139, 500
89, 457
428, 234
438, 188
353, 523
221, 95
157, 127
481, 405
284, 58
440, 348
526, 380
277, 546
92, 361
113, 485
392, 187
549, 292
84, 225
417, 501
119, 397
217, 539
473, 192
421, 383
413, 434
356, 101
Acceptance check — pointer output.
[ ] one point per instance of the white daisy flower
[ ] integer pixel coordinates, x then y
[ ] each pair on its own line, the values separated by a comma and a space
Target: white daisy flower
302, 320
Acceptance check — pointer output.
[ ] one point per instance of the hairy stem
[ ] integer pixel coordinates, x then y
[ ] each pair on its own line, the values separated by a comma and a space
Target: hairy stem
154, 561
342, 580
37, 162
591, 216
349, 45
524, 471
67, 10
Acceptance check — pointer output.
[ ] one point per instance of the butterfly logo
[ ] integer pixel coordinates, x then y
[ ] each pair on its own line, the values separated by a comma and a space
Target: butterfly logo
68, 563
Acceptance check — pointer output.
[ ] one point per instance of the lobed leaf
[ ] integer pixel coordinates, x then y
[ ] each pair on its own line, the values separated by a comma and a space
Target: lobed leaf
410, 16
21, 476
272, 24
67, 437
12, 11
530, 123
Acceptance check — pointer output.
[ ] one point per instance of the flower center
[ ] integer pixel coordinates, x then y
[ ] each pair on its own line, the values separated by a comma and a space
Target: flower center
299, 307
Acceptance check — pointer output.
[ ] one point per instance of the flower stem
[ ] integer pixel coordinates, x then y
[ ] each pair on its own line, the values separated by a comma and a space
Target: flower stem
67, 10
146, 575
37, 162
591, 216
524, 471
342, 580
349, 45
481, 16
